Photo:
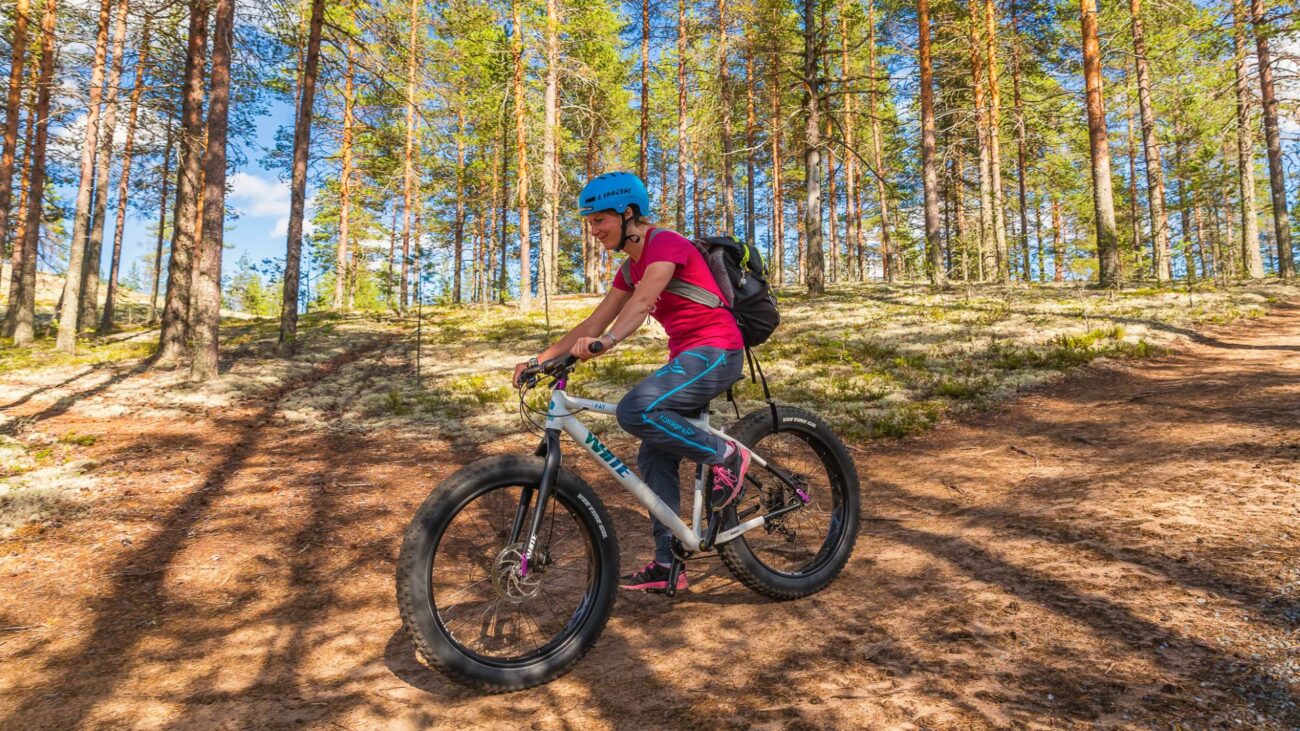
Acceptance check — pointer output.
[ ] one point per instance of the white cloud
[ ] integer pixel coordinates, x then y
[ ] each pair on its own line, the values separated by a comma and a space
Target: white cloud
258, 197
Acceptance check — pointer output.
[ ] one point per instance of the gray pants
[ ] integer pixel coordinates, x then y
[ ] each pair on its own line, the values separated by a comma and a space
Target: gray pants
653, 410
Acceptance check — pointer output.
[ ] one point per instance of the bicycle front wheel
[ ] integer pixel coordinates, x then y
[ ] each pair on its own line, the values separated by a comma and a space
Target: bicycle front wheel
471, 611
801, 551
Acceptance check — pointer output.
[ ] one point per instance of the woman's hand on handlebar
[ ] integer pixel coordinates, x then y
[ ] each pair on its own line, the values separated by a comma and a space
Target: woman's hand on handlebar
587, 348
519, 373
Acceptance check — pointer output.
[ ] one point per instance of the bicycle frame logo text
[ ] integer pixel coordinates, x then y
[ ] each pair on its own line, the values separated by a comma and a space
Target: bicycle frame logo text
613, 461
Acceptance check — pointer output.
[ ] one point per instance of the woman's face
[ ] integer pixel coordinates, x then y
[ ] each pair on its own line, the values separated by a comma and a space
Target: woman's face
606, 228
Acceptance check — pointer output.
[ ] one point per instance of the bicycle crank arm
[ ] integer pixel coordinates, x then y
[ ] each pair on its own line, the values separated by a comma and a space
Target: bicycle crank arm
753, 523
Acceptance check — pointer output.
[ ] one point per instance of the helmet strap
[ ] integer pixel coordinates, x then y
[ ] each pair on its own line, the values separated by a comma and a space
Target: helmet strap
623, 238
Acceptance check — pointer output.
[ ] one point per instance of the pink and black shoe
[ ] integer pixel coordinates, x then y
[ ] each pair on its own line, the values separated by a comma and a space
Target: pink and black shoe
729, 476
651, 577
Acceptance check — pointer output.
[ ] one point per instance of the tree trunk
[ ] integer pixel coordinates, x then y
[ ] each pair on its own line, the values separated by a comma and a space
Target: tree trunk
1155, 173
458, 223
1058, 242
68, 315
751, 129
929, 166
176, 303
341, 273
995, 145
124, 180
23, 293
681, 115
1020, 145
852, 216
103, 168
1103, 201
162, 223
988, 252
408, 158
19, 252
890, 263
776, 257
207, 317
297, 188
12, 101
550, 155
1250, 256
643, 161
1135, 209
832, 200
1273, 137
813, 276
521, 147
1038, 239
724, 84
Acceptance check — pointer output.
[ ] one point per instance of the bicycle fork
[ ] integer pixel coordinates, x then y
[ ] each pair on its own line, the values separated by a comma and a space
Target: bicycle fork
549, 450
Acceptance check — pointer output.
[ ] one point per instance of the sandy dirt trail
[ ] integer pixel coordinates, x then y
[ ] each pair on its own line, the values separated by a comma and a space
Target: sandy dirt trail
1118, 550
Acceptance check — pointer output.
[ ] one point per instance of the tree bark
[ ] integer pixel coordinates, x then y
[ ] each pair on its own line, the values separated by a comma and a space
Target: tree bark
1251, 259
751, 129
297, 187
1020, 145
814, 274
23, 293
681, 115
1273, 137
12, 102
1155, 173
1103, 201
1058, 242
852, 216
176, 303
68, 314
19, 253
521, 148
724, 83
995, 145
988, 251
643, 161
458, 222
162, 223
124, 180
408, 158
207, 318
103, 168
929, 170
1135, 208
341, 269
550, 155
890, 263
776, 257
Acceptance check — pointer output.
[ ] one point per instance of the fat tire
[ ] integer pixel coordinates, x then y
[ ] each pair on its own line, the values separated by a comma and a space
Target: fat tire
416, 560
736, 553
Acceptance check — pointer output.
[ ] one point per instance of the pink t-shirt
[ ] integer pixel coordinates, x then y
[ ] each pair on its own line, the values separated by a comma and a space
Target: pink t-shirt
688, 324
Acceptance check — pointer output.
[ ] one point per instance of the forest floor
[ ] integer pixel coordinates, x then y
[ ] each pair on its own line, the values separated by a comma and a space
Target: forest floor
1108, 545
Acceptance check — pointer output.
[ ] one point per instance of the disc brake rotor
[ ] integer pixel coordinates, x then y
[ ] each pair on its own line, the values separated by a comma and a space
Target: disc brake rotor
506, 580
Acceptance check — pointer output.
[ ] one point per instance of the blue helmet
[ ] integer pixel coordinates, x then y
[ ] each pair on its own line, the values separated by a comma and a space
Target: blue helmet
614, 190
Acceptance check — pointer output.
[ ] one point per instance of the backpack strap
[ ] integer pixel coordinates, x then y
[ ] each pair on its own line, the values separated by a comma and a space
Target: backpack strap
686, 290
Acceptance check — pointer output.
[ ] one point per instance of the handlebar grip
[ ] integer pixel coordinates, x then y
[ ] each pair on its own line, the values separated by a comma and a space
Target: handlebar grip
596, 346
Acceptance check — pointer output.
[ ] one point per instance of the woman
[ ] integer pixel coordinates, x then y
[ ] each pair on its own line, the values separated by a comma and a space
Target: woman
705, 353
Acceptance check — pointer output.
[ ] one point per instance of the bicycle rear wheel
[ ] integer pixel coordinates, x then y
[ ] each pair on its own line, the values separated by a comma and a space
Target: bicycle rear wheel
463, 600
801, 552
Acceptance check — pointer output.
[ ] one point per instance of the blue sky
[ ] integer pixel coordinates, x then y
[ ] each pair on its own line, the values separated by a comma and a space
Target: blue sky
261, 199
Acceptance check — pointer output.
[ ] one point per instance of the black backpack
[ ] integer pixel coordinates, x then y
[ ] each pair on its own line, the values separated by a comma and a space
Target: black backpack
738, 269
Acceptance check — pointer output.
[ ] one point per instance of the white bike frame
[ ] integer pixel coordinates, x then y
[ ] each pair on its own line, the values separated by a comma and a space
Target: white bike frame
562, 414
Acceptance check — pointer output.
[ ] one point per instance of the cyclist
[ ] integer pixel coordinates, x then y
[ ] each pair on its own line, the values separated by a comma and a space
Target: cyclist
705, 353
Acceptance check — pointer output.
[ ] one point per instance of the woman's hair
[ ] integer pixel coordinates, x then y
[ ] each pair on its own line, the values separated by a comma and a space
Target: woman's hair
636, 218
